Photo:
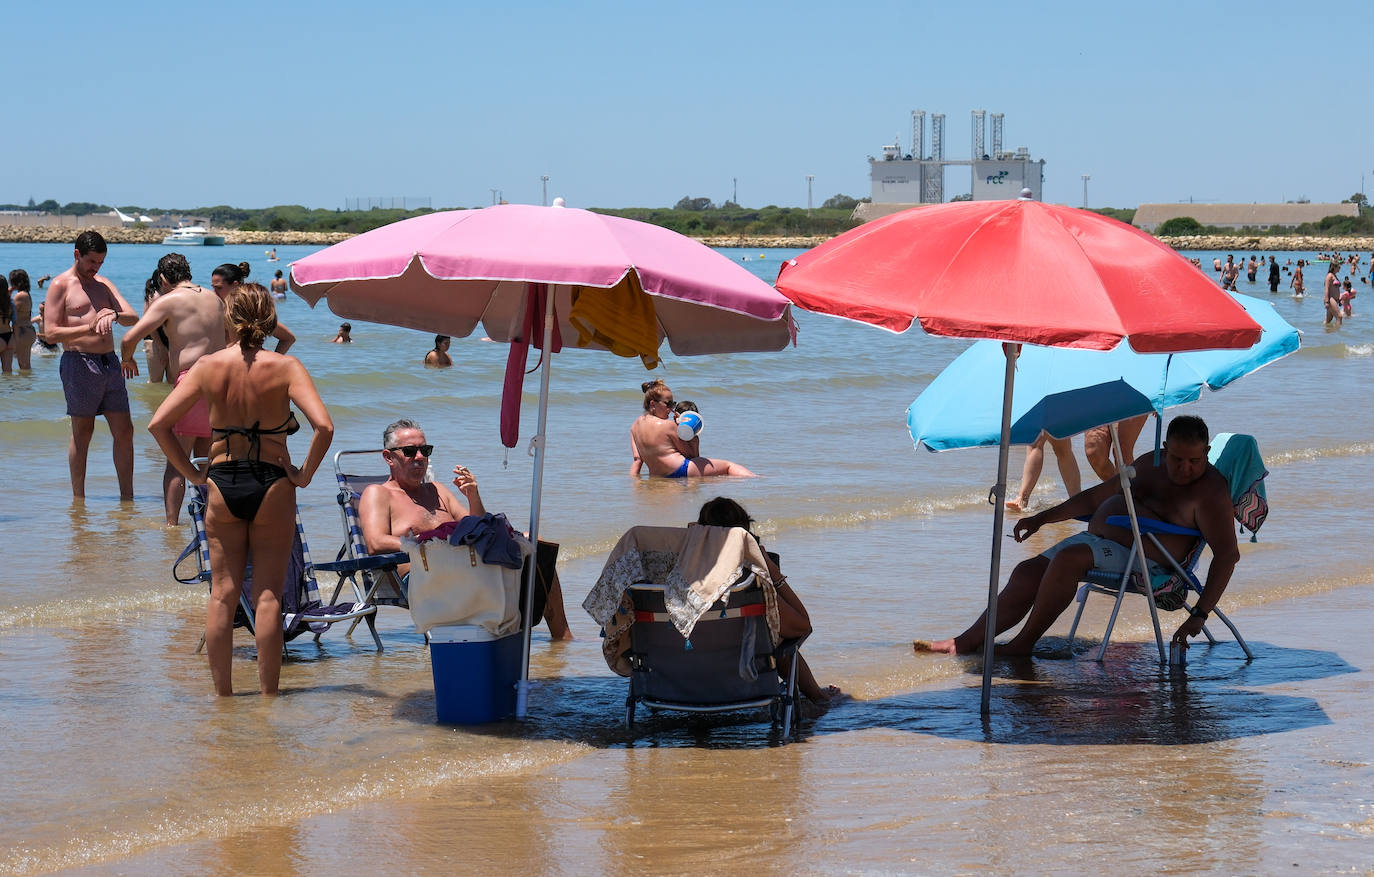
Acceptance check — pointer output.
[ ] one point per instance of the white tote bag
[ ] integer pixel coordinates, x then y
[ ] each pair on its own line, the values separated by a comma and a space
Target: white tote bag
449, 584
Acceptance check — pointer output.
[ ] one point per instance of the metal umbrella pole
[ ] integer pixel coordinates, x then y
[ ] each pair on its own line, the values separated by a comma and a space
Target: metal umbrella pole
999, 492
522, 688
1126, 472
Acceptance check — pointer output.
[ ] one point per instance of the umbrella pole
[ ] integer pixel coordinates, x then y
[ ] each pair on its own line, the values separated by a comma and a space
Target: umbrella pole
1126, 472
999, 495
522, 688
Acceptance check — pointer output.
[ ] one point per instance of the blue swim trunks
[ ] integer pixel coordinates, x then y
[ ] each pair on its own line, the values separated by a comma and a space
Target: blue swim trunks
681, 471
93, 384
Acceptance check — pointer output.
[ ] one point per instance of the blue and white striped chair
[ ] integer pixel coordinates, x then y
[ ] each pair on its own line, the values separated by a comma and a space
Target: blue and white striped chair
303, 608
373, 575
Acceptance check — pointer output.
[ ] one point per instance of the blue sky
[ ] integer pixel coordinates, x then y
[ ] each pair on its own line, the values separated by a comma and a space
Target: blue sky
638, 104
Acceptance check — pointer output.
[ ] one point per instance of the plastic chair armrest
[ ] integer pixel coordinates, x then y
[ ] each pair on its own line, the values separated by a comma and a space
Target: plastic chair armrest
1149, 525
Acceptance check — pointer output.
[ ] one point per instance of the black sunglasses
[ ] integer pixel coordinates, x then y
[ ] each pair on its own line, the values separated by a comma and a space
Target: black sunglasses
410, 450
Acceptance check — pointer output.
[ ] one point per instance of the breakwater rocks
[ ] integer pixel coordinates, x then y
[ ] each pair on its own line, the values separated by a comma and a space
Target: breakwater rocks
761, 241
12, 234
1267, 243
18, 234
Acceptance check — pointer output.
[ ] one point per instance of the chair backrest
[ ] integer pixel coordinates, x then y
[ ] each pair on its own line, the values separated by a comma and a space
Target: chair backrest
351, 487
728, 658
388, 590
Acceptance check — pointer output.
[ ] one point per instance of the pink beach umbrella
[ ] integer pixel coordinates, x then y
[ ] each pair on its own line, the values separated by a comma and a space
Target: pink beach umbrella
599, 282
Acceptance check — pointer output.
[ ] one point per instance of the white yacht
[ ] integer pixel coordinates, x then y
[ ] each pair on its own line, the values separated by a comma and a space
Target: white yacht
193, 236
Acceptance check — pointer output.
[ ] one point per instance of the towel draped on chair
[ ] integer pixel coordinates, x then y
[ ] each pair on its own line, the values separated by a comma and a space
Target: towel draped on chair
696, 566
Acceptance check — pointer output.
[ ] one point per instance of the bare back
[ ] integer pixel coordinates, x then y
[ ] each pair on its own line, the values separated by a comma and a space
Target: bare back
659, 447
246, 389
195, 325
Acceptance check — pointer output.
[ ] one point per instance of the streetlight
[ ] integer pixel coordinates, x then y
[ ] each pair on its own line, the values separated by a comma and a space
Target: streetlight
1086, 177
494, 193
809, 179
545, 180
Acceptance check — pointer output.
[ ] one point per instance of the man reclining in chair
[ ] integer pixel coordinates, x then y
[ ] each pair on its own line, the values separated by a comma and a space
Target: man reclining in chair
1186, 490
406, 504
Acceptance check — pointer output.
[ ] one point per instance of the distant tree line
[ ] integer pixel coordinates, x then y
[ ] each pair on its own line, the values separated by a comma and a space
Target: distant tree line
699, 216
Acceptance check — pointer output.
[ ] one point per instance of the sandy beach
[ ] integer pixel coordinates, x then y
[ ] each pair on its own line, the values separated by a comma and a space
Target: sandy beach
120, 760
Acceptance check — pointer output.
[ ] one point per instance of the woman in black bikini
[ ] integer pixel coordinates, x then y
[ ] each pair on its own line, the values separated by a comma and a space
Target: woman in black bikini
252, 492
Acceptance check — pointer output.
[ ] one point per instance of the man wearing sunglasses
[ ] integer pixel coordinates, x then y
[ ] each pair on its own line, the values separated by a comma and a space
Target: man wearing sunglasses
406, 504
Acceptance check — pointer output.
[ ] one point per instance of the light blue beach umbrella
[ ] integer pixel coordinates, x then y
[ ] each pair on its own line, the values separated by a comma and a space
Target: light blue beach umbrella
1065, 391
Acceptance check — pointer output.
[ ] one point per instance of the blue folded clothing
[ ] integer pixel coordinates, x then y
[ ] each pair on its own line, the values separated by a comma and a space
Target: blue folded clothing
492, 537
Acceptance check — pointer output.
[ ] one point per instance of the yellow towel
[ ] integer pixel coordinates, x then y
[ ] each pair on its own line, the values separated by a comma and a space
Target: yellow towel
621, 319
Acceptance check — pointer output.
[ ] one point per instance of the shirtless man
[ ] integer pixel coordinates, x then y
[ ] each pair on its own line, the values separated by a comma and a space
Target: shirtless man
1186, 490
193, 319
227, 278
657, 445
80, 311
438, 357
1229, 273
24, 332
405, 504
1252, 268
1331, 294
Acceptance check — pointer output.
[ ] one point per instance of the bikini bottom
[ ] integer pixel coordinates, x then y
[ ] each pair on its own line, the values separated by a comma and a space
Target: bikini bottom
243, 484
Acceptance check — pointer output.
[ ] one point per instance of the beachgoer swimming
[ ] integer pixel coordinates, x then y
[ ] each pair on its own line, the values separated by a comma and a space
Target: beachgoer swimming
655, 440
438, 357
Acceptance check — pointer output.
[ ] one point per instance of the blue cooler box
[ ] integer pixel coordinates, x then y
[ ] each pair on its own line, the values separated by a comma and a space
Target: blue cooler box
475, 673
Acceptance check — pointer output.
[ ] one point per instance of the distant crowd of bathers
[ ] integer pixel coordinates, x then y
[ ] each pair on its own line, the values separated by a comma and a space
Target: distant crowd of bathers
1338, 294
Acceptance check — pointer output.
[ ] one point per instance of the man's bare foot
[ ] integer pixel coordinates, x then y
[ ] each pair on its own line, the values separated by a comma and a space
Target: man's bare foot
939, 646
1015, 505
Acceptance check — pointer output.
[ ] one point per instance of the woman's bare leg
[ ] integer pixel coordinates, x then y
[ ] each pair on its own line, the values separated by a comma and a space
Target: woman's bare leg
228, 538
1068, 465
705, 467
271, 536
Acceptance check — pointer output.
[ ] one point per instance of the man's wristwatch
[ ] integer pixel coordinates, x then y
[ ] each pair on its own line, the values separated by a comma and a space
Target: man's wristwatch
1196, 613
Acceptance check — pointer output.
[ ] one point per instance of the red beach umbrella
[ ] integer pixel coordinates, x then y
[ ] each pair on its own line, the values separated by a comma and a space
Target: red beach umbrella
1021, 272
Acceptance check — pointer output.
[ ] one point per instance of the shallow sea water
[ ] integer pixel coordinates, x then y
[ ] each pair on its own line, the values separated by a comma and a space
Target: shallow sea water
119, 760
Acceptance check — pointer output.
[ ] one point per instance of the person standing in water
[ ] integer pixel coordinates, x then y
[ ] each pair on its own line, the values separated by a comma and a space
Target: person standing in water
80, 311
251, 495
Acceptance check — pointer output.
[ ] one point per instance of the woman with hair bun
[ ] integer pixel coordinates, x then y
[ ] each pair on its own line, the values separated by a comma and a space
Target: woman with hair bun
252, 483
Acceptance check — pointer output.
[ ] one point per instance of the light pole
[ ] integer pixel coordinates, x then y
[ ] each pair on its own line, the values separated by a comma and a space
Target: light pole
545, 180
1086, 177
809, 179
494, 193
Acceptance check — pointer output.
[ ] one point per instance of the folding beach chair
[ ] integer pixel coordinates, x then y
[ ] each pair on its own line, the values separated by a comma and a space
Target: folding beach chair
728, 664
303, 608
1235, 456
652, 587
373, 575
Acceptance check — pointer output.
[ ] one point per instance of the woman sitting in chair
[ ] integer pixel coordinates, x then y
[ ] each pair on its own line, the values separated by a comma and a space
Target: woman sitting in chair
792, 618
